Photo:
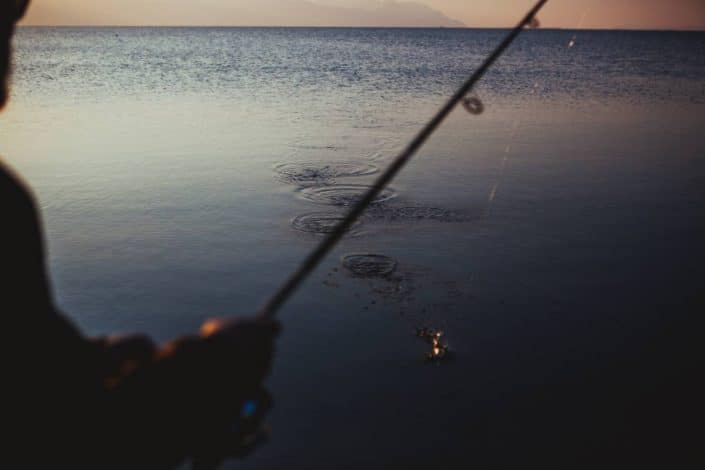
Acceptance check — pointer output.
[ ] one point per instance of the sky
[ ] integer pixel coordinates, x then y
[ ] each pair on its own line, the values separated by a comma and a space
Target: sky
607, 14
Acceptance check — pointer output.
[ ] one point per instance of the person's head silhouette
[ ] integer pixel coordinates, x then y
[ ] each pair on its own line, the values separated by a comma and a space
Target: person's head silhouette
10, 12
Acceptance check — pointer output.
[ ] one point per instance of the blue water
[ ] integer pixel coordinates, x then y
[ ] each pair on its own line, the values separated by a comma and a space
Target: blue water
577, 204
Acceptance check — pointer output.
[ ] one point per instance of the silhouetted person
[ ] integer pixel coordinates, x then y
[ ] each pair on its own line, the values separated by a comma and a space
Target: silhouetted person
76, 402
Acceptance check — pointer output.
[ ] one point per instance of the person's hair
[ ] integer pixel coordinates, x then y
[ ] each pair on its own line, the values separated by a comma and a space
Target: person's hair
10, 12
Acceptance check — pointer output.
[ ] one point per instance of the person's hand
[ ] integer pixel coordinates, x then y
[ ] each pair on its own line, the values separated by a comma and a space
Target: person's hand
190, 392
129, 349
123, 354
245, 347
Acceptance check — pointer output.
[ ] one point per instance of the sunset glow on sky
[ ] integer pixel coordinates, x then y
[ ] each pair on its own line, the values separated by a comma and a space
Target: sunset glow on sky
608, 14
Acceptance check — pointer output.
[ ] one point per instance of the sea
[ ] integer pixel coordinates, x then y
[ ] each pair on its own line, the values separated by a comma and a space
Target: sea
552, 234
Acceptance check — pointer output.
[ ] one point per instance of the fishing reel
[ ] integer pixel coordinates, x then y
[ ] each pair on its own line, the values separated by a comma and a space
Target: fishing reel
241, 438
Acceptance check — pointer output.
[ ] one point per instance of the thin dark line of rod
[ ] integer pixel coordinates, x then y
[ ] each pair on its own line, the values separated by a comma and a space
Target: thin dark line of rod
314, 258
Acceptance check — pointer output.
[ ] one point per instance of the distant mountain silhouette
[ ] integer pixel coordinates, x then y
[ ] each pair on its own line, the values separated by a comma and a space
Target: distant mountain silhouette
239, 13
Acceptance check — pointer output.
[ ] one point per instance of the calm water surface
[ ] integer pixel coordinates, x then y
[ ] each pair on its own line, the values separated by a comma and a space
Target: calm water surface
562, 227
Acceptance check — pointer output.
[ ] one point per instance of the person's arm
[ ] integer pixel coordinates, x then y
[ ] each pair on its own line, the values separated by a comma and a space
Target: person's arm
133, 403
190, 394
24, 291
50, 372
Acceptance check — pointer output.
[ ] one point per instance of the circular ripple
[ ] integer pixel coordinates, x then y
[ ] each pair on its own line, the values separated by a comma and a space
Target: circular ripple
320, 222
343, 194
369, 265
321, 172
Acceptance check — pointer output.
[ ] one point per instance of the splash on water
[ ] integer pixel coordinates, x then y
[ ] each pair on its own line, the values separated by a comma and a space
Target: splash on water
439, 348
414, 293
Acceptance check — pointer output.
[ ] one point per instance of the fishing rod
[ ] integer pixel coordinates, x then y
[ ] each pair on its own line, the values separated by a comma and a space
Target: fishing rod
248, 426
287, 289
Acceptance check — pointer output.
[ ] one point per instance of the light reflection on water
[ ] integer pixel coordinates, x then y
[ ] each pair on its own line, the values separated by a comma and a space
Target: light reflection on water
152, 154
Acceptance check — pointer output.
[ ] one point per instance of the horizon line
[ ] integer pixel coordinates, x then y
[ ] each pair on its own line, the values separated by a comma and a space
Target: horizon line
556, 28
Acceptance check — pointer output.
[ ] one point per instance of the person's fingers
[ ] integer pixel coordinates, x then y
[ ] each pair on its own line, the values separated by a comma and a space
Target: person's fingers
214, 325
130, 348
240, 326
240, 351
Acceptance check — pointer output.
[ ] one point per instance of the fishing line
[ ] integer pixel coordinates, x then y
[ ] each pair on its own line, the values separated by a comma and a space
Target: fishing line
518, 123
314, 258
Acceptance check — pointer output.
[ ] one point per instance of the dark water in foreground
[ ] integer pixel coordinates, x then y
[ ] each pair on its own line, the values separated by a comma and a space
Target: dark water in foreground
556, 239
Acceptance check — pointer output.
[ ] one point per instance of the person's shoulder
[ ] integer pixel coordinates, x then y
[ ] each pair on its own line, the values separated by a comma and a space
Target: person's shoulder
15, 196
